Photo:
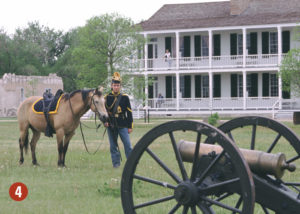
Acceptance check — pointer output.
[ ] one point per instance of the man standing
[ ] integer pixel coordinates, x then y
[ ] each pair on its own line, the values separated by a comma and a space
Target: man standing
120, 120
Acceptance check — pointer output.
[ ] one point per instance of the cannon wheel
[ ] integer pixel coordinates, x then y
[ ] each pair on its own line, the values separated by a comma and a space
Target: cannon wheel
282, 140
186, 193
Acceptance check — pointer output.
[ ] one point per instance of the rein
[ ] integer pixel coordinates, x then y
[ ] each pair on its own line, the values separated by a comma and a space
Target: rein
97, 127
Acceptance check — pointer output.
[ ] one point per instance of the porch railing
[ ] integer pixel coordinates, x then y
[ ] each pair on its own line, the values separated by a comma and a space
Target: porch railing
224, 103
236, 61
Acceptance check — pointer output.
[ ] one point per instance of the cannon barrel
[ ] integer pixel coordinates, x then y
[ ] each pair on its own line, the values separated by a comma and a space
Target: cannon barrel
258, 161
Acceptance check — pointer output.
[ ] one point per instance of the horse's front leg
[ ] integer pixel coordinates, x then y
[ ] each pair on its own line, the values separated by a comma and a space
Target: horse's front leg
60, 147
35, 138
66, 144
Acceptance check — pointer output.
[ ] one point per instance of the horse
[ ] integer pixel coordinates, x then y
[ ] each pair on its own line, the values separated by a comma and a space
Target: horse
64, 122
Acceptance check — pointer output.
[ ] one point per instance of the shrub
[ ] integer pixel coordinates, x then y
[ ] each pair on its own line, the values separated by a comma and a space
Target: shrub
213, 119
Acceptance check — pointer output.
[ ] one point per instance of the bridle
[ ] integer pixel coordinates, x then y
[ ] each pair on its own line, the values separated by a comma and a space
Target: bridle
97, 126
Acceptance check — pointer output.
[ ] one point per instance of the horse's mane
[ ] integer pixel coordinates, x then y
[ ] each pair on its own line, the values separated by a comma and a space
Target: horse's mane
84, 94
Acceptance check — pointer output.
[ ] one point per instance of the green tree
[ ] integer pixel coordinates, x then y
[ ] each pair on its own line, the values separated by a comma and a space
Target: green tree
65, 64
290, 67
5, 55
36, 48
105, 45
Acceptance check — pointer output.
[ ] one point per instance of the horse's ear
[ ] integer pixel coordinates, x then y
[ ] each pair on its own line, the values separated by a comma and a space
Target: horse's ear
100, 89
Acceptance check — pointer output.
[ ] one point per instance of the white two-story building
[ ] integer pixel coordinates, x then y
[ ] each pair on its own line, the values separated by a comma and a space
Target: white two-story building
225, 56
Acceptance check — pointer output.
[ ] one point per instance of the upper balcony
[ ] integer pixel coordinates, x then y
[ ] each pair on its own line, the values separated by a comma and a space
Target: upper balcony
216, 62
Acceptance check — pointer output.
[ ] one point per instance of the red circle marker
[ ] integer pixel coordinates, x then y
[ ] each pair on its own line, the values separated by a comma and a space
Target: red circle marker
18, 191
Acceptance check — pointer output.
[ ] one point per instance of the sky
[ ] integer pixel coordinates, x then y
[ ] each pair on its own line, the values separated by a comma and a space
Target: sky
67, 14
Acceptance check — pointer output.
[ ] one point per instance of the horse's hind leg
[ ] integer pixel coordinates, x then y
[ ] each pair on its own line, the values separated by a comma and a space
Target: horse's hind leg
60, 147
35, 138
66, 144
23, 141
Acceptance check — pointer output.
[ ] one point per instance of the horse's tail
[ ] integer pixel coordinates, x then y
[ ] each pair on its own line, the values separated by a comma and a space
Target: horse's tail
25, 142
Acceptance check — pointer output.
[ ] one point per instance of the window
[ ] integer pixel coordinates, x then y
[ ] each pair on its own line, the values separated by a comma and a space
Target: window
274, 85
252, 85
236, 84
273, 43
181, 83
204, 46
205, 86
248, 42
269, 42
240, 85
240, 43
174, 86
249, 91
185, 46
201, 45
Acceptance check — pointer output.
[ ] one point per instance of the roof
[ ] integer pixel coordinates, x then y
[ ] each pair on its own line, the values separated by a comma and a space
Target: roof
217, 14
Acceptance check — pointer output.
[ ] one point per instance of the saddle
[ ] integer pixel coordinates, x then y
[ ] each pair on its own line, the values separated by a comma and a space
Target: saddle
48, 105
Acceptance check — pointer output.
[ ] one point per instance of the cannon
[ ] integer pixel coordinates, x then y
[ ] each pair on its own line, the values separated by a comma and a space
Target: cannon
247, 165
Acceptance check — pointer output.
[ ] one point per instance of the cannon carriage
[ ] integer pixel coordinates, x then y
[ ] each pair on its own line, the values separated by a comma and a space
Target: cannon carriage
191, 167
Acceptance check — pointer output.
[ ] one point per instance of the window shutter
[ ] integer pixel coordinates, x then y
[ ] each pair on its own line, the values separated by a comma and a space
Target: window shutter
253, 43
168, 44
150, 91
265, 85
285, 92
187, 46
233, 44
197, 45
254, 85
217, 45
198, 86
265, 42
217, 85
168, 86
234, 85
150, 51
285, 41
187, 86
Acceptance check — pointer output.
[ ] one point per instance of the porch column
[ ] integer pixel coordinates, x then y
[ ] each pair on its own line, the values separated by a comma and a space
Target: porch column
146, 90
279, 44
210, 47
279, 63
244, 89
146, 52
177, 50
210, 79
177, 90
244, 47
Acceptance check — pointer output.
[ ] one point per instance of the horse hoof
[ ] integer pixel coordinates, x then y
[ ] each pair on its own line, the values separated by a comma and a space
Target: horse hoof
61, 165
21, 161
36, 164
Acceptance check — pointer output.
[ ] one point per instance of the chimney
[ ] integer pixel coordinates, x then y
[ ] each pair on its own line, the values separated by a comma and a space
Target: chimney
238, 6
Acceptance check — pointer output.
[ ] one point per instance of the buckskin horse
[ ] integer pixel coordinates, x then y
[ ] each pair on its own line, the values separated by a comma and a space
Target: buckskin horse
64, 122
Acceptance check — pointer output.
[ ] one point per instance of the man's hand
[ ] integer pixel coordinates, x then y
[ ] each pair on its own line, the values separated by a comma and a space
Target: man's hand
129, 131
106, 124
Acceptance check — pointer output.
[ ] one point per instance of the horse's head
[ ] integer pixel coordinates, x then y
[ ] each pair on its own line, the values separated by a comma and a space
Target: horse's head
98, 104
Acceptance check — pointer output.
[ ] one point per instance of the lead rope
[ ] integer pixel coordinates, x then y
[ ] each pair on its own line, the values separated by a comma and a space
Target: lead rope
82, 135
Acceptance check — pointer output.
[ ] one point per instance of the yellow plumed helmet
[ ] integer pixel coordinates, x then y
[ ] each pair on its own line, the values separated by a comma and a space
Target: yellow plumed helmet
116, 78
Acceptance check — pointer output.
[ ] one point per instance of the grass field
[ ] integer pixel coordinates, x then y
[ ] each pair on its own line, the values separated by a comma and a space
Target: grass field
89, 184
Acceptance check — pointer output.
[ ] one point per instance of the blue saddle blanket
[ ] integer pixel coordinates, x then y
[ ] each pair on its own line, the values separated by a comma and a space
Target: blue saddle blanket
38, 106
